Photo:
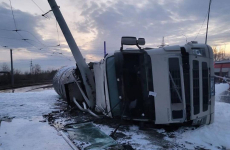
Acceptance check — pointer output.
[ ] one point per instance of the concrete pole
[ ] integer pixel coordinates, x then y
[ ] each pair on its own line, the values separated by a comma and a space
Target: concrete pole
12, 70
86, 73
206, 38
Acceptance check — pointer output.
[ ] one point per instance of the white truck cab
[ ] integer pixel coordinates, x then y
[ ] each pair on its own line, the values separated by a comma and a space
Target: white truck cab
172, 84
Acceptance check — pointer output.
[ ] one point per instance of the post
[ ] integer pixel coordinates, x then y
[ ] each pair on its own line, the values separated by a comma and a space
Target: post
208, 21
86, 74
12, 70
104, 48
186, 38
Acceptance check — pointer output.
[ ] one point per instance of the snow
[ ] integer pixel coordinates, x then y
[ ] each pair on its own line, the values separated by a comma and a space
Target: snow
135, 137
208, 136
26, 89
139, 140
23, 105
220, 88
24, 131
214, 136
22, 134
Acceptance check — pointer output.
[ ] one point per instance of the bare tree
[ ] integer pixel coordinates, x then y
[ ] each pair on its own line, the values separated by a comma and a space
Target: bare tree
36, 69
16, 71
219, 54
5, 67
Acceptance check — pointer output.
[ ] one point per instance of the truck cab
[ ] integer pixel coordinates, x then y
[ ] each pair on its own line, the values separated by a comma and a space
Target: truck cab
172, 84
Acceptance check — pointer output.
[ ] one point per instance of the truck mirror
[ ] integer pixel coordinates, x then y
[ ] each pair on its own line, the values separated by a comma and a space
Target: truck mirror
141, 41
128, 40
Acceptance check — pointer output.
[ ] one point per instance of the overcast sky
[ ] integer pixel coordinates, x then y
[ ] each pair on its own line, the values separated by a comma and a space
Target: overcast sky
92, 22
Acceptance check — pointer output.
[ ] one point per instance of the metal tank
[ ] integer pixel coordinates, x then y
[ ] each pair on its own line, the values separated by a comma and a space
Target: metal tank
62, 77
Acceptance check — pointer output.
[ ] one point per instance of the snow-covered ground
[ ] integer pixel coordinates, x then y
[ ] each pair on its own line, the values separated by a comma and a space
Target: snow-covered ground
25, 131
214, 136
23, 134
28, 104
21, 128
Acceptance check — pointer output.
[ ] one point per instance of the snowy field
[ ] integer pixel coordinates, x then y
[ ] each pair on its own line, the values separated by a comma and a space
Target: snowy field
23, 127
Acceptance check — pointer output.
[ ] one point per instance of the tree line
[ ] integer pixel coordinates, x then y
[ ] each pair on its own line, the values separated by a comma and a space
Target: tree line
35, 76
219, 54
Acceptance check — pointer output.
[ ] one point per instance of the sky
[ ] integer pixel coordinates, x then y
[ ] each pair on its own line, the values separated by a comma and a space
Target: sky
93, 22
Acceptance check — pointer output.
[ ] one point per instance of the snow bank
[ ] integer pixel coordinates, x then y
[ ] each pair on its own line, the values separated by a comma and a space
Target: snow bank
23, 105
220, 88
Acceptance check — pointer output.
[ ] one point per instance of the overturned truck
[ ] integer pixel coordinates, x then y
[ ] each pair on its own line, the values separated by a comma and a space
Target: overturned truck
172, 84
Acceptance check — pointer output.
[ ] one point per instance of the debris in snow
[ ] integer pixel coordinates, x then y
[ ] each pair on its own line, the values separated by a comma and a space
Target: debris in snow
88, 136
128, 136
42, 120
133, 128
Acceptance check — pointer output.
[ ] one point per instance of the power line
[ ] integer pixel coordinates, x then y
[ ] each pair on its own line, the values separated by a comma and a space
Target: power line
37, 6
6, 30
201, 25
40, 9
37, 40
27, 40
13, 15
16, 25
46, 53
21, 30
10, 38
58, 35
44, 15
34, 37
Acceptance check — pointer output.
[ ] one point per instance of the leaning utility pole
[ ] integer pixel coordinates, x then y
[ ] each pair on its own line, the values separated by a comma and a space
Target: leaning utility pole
86, 73
208, 21
12, 70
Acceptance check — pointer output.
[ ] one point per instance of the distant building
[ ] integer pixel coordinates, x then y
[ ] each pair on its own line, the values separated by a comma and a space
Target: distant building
222, 68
